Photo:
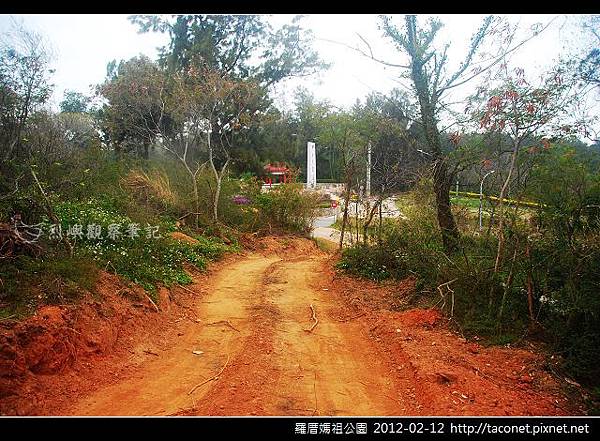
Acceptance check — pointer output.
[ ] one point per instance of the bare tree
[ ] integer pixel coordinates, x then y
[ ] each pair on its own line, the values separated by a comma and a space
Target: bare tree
205, 108
427, 68
521, 110
219, 106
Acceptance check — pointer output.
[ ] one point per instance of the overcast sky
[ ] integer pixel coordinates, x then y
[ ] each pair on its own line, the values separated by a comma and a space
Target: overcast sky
84, 44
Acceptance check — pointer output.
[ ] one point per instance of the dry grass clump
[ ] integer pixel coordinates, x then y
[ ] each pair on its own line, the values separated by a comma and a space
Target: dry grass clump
153, 187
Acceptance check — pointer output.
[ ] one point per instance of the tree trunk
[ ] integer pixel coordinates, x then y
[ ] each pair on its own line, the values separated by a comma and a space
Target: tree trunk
357, 222
507, 287
219, 177
441, 179
380, 229
345, 217
196, 199
529, 283
441, 186
501, 206
368, 221
491, 222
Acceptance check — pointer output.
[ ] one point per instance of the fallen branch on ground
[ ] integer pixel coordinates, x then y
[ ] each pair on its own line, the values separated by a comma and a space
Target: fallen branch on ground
13, 243
223, 322
189, 214
187, 289
314, 317
443, 296
152, 303
113, 267
216, 377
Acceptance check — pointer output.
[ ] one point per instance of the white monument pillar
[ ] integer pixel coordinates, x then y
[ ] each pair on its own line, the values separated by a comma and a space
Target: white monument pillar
311, 165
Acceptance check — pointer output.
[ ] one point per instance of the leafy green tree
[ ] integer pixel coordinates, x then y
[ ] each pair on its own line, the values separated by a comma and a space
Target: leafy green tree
134, 109
395, 162
385, 121
74, 102
232, 44
24, 86
569, 191
240, 47
274, 139
308, 115
339, 131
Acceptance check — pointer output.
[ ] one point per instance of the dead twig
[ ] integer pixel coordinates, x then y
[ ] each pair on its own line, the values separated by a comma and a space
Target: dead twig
215, 378
223, 322
113, 267
74, 331
150, 352
50, 212
314, 317
152, 303
8, 318
187, 289
189, 214
443, 296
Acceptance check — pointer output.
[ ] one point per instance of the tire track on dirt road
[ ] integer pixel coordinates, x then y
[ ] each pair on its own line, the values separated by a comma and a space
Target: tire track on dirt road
161, 385
285, 370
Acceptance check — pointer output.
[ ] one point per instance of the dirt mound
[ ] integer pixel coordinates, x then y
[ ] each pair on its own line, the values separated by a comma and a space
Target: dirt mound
43, 344
458, 377
386, 296
453, 376
56, 338
177, 235
419, 317
285, 246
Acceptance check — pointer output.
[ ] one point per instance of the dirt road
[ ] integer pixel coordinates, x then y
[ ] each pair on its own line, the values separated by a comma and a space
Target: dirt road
255, 354
273, 332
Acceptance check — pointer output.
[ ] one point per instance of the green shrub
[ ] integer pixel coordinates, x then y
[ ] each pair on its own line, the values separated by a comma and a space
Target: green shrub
287, 207
56, 278
143, 259
558, 260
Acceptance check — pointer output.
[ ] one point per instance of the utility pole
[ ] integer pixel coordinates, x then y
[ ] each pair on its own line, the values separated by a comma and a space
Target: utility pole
368, 190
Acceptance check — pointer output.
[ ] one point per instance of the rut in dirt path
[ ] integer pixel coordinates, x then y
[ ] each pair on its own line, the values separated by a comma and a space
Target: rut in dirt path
161, 385
257, 356
287, 369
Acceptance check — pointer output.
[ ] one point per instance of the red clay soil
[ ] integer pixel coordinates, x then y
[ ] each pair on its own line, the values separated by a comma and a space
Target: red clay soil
61, 353
453, 376
270, 332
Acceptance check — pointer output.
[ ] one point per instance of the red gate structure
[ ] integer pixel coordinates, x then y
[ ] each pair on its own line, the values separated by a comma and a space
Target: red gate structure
277, 173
